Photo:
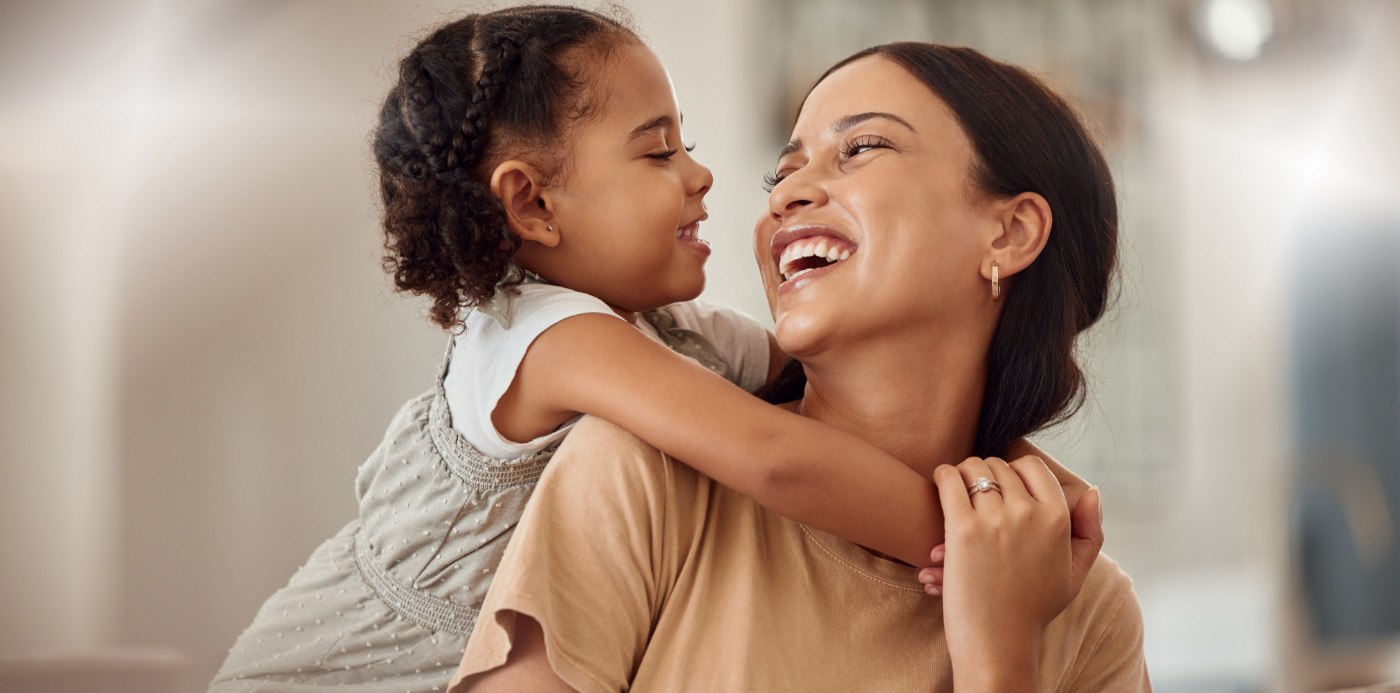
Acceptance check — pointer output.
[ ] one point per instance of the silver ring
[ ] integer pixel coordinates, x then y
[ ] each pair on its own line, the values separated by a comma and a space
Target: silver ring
983, 483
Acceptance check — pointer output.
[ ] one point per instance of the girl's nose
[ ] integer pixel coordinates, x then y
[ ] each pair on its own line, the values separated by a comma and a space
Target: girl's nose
701, 179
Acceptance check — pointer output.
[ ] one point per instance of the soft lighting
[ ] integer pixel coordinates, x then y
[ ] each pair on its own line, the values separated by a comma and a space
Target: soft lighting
1237, 29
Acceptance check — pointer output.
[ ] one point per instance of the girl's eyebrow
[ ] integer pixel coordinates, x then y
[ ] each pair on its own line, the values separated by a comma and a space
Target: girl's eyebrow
846, 123
658, 123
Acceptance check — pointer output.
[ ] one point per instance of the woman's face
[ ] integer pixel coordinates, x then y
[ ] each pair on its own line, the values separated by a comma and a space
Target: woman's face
877, 173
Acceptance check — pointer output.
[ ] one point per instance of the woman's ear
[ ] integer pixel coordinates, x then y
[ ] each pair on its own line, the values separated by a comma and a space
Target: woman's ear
1025, 227
529, 212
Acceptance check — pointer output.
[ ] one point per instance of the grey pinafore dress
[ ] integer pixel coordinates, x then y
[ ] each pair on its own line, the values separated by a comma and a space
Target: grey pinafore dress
388, 602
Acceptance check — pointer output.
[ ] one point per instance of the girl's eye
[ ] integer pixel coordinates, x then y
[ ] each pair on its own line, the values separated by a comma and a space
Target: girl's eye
666, 155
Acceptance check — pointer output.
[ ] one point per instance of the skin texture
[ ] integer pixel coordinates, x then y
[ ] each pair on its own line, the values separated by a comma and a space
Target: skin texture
599, 365
894, 341
915, 300
609, 228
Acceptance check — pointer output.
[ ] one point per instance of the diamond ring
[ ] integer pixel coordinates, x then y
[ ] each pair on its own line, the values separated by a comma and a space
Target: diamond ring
983, 483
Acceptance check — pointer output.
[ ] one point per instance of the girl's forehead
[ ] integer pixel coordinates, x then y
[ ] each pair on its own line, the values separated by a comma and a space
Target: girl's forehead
633, 88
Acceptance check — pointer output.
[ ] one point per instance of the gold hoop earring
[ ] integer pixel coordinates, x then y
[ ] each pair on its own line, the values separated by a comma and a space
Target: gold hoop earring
996, 283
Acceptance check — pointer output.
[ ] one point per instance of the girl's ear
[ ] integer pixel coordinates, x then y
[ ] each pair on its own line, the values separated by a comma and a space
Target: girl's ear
1025, 227
529, 212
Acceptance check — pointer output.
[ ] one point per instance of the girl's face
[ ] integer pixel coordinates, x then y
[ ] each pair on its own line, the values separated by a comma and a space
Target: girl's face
631, 200
874, 226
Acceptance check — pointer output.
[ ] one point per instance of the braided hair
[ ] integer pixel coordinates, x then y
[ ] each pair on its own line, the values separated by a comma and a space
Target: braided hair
472, 91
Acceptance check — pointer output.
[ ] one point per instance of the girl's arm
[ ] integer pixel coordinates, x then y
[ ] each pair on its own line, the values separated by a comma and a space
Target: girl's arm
810, 472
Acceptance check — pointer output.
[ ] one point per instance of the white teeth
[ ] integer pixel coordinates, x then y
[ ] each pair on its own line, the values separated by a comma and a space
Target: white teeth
812, 246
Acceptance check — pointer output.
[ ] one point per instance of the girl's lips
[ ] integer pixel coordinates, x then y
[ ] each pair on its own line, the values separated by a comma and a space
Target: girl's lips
696, 244
689, 236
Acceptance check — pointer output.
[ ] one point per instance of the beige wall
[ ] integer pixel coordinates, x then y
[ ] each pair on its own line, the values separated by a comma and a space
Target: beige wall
198, 349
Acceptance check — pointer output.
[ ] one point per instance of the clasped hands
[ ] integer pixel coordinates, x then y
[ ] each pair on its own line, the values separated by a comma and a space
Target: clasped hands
1012, 559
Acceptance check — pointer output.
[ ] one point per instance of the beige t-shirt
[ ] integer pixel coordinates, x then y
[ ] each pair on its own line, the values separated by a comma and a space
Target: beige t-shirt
645, 574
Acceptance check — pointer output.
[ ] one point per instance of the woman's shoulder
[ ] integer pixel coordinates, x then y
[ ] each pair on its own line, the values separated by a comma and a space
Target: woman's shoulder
1099, 637
1107, 588
592, 435
1105, 619
601, 453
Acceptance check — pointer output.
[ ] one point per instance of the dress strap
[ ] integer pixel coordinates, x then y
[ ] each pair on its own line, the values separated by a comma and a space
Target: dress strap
463, 459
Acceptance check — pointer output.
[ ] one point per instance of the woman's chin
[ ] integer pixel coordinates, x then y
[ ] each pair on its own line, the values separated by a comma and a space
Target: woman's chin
799, 332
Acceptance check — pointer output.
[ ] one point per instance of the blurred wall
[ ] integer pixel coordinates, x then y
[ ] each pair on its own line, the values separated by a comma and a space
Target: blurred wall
197, 346
200, 347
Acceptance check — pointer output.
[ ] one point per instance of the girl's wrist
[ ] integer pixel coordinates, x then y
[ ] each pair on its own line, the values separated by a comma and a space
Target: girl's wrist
1013, 666
1008, 675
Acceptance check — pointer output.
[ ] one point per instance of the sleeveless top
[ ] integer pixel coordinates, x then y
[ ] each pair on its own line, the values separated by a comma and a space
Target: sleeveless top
387, 603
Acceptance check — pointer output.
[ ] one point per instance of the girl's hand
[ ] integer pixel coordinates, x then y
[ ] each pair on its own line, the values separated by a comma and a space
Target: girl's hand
1086, 539
1008, 569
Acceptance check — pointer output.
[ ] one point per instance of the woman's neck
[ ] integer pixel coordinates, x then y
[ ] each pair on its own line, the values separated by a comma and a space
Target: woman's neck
920, 405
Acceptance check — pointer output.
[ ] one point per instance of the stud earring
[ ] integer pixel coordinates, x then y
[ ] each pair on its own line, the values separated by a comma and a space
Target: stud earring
996, 283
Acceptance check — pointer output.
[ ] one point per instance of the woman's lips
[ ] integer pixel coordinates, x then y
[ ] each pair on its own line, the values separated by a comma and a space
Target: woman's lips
802, 253
788, 235
804, 278
811, 253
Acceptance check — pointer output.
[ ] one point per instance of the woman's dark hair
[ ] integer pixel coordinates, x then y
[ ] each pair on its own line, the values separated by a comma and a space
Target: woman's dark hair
1026, 139
473, 90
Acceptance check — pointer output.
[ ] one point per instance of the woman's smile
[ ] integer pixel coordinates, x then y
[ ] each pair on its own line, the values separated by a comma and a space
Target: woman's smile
807, 252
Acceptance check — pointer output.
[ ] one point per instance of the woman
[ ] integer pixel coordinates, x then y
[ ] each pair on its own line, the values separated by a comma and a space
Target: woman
977, 228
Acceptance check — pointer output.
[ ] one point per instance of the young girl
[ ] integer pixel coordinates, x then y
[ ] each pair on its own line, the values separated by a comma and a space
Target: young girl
535, 187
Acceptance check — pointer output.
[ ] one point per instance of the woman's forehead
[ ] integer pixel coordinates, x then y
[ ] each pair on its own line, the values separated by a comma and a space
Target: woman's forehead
874, 84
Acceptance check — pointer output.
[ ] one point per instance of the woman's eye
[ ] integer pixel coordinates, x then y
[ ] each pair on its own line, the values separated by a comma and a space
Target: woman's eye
771, 180
663, 156
863, 145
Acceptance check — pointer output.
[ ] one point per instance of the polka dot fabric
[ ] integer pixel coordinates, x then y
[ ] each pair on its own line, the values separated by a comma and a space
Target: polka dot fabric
387, 603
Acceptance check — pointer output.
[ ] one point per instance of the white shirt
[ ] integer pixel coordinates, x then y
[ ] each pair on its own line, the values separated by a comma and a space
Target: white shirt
487, 353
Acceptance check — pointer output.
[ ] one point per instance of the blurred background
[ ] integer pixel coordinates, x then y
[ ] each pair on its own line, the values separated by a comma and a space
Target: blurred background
198, 348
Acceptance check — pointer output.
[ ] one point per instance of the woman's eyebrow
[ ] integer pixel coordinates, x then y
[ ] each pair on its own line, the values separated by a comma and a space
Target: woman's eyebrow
850, 121
658, 123
846, 123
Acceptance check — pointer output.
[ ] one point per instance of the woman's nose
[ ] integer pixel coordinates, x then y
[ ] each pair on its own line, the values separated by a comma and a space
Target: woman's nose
793, 194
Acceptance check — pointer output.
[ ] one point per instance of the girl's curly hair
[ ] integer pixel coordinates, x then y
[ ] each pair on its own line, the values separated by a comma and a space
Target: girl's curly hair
472, 90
